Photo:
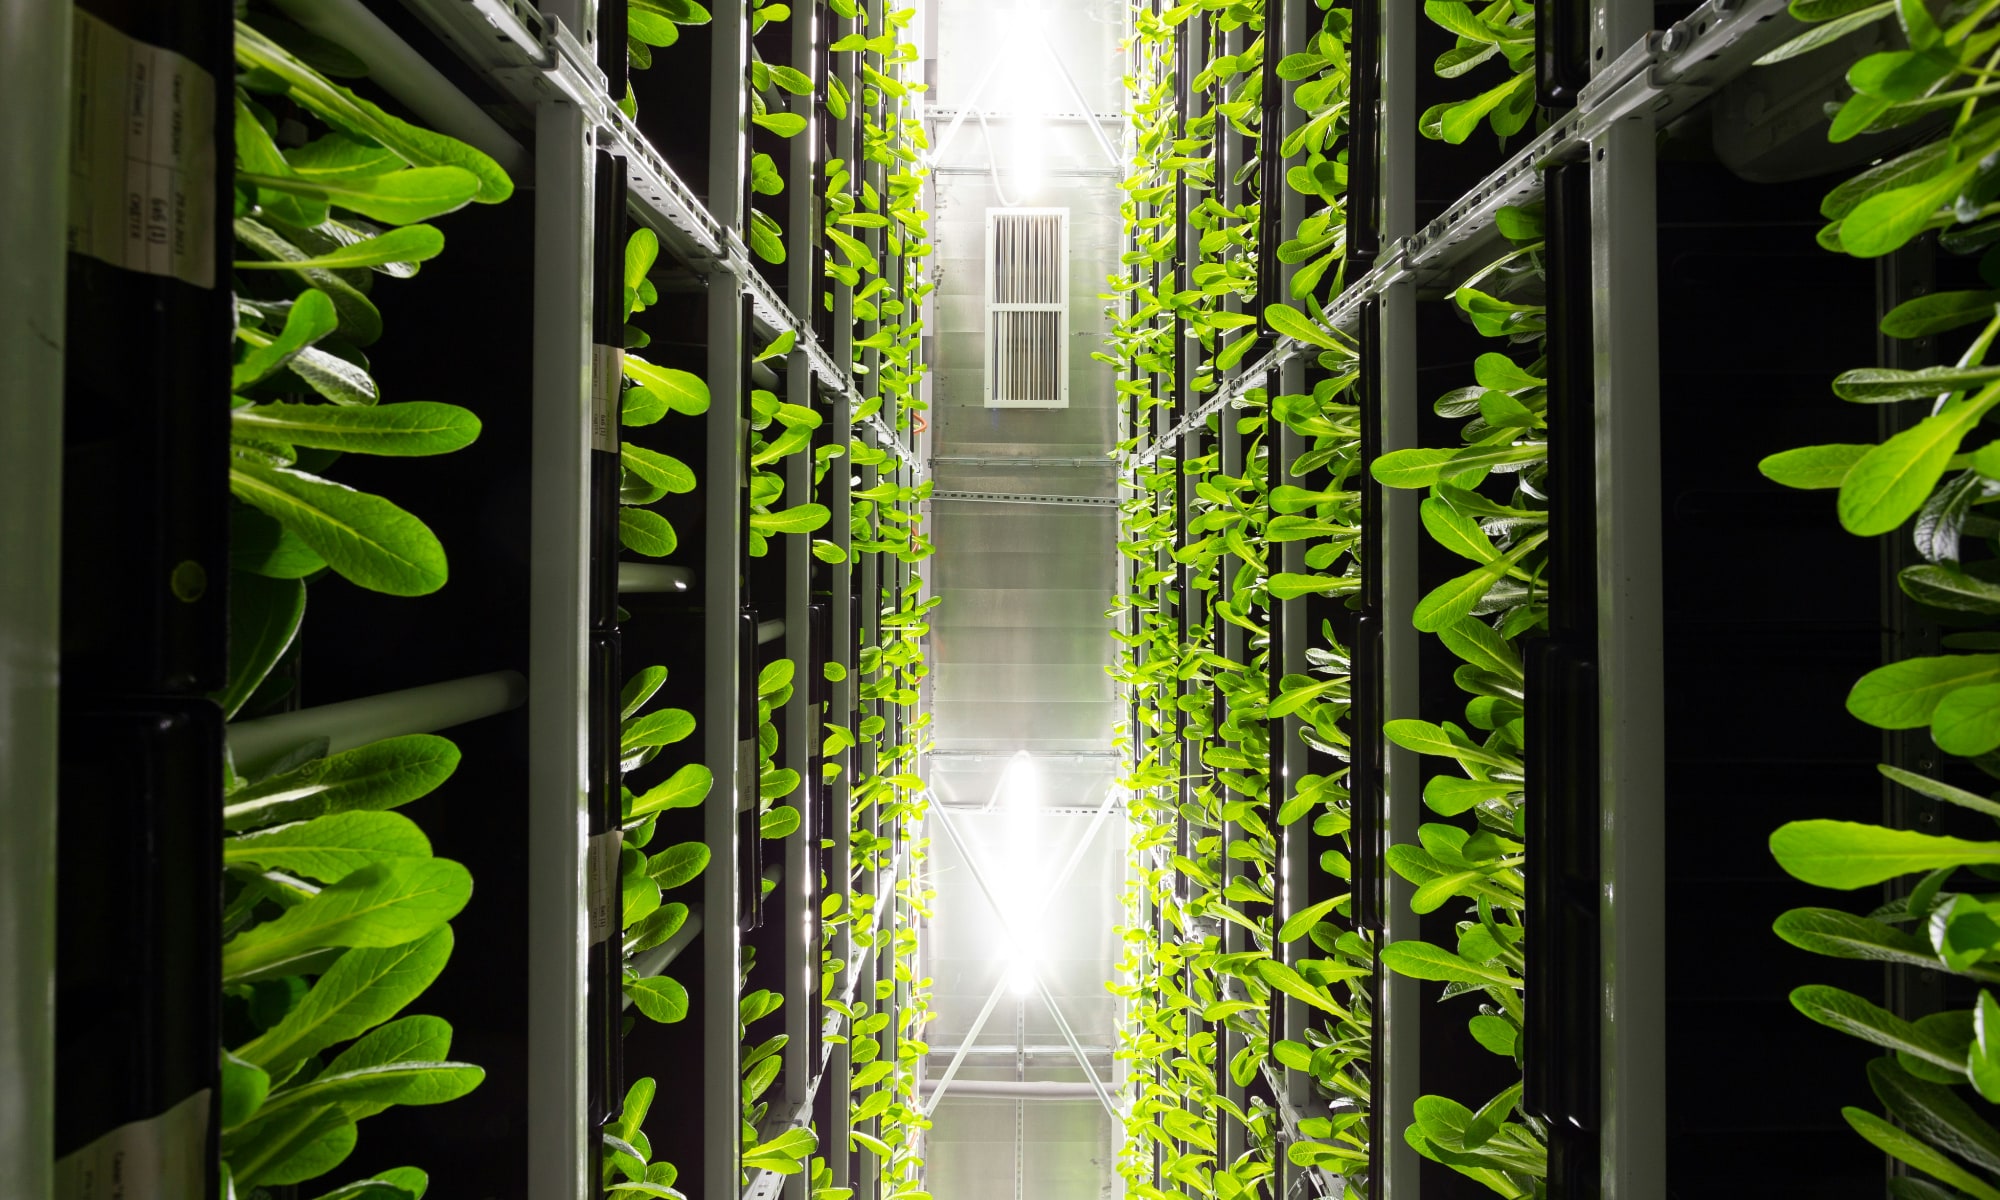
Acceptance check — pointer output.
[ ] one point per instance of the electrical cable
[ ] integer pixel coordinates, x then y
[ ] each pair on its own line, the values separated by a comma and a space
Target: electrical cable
993, 161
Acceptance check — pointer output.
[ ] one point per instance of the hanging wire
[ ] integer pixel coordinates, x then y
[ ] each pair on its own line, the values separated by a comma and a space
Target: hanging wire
993, 161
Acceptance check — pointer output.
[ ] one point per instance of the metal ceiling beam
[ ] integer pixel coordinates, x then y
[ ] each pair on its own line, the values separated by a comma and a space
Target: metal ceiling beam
1027, 498
1046, 172
1019, 460
1030, 1051
1017, 1089
1038, 755
1052, 810
1008, 114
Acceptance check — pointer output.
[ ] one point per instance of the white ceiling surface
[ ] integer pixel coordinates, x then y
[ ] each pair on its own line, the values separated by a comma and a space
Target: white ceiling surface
1020, 642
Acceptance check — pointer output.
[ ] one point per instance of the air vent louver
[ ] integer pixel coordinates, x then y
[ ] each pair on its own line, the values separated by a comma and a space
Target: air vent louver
1027, 308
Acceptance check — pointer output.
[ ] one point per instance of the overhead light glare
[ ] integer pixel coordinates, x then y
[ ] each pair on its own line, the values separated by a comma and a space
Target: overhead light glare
1027, 99
1020, 885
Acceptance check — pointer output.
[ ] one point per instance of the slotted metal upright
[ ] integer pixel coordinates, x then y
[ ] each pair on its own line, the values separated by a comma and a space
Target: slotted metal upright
845, 624
800, 884
1399, 1047
1284, 208
730, 750
34, 145
560, 1140
1624, 274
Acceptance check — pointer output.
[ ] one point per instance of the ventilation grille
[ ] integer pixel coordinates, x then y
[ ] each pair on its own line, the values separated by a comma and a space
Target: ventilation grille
1027, 308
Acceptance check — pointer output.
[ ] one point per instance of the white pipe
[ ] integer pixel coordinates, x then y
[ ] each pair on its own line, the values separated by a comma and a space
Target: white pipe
937, 1088
405, 74
970, 107
652, 962
352, 723
643, 578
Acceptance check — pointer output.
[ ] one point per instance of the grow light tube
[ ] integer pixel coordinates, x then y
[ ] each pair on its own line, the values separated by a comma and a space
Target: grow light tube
1020, 886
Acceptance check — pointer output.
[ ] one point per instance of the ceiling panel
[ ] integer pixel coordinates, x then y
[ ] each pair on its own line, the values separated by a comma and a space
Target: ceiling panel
968, 533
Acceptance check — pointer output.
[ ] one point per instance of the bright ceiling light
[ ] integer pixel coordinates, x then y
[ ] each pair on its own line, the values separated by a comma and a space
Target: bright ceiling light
1021, 870
1021, 784
1027, 96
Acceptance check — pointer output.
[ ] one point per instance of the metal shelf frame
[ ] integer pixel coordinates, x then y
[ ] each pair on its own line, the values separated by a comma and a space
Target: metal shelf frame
1660, 75
1643, 80
543, 60
535, 56
34, 122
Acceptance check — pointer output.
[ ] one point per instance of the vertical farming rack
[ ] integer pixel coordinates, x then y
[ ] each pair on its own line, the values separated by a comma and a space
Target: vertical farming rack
1371, 245
792, 663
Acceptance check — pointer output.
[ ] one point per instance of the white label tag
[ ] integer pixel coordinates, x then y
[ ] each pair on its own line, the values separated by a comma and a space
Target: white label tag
602, 882
142, 156
607, 374
160, 1158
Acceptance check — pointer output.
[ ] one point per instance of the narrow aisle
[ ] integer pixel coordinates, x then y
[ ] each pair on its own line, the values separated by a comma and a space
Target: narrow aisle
1023, 772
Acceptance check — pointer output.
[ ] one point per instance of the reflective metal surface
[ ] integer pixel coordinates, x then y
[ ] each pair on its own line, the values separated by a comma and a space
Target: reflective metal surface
1020, 642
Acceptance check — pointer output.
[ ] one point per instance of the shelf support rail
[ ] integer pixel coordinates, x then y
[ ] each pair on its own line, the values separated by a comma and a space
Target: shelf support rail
1662, 73
535, 58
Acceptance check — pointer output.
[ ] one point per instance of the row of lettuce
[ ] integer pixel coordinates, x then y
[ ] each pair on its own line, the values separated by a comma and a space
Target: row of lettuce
338, 913
1208, 956
1205, 819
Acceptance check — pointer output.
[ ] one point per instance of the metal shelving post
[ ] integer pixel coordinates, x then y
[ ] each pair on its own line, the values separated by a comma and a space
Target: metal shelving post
1292, 633
561, 1158
845, 714
1230, 154
34, 124
722, 595
867, 758
1625, 295
868, 175
1398, 1021
801, 878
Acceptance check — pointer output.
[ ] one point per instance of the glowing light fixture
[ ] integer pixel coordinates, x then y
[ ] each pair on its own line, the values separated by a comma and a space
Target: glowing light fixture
1019, 798
1026, 97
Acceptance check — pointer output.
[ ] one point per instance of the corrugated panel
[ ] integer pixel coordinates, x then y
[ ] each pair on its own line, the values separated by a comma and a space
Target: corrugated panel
1030, 682
1026, 608
999, 725
1038, 568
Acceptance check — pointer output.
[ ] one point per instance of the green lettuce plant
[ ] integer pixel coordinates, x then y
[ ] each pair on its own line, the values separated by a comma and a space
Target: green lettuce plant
1188, 997
336, 911
649, 475
1498, 31
1480, 616
1936, 1081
